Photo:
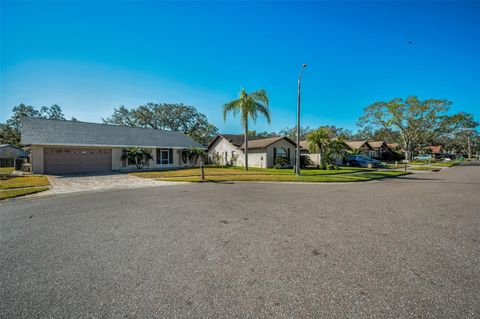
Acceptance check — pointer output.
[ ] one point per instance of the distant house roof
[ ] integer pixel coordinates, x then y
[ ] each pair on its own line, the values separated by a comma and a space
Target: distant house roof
393, 145
12, 151
378, 144
436, 149
253, 141
56, 132
355, 145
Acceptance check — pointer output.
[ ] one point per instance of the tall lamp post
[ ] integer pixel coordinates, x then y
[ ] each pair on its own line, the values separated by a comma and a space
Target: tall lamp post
297, 153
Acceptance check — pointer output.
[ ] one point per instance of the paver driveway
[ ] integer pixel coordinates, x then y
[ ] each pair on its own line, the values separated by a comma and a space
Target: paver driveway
95, 182
399, 248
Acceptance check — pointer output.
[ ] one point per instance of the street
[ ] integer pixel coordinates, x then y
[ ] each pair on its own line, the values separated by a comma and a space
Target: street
399, 248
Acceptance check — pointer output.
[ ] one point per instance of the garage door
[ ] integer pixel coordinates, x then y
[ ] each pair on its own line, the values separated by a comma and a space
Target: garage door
77, 160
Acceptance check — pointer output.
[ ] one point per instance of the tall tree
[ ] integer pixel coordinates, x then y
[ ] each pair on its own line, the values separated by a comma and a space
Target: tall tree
292, 132
10, 131
175, 117
454, 132
248, 106
411, 118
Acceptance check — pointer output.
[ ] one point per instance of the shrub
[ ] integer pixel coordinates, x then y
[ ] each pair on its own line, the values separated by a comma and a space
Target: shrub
281, 162
305, 161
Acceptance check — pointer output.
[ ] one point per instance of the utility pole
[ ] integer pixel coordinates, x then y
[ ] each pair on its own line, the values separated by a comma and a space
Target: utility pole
297, 153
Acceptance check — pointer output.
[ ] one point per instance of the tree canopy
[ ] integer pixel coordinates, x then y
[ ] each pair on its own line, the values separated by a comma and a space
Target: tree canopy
10, 131
175, 117
412, 119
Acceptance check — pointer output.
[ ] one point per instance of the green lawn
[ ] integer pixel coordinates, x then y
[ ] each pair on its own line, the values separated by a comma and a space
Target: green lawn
24, 181
22, 185
214, 174
11, 193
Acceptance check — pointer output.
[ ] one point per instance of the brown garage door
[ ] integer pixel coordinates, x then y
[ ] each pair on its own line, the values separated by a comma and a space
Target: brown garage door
77, 160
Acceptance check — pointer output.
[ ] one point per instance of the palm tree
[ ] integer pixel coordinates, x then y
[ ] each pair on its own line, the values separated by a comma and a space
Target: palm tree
318, 141
248, 105
139, 155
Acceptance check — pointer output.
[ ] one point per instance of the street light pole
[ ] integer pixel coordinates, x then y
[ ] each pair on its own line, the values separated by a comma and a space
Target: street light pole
297, 153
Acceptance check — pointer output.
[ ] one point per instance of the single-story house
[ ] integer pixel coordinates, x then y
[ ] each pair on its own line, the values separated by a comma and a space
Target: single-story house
381, 149
63, 147
228, 149
12, 156
362, 147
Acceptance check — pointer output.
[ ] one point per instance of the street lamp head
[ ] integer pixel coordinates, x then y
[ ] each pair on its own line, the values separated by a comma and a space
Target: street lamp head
304, 66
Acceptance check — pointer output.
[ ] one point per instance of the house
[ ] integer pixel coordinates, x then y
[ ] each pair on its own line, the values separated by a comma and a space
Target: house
62, 147
373, 149
12, 156
435, 149
361, 147
228, 149
381, 150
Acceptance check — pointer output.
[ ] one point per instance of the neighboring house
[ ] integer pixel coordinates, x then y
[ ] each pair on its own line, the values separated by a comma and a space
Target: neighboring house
362, 147
435, 149
381, 149
12, 156
228, 149
394, 146
62, 147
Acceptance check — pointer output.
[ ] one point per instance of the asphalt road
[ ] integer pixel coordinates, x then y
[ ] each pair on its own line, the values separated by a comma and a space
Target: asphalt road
399, 248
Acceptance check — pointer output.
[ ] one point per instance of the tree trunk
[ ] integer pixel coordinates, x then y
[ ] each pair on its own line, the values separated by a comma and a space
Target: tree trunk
246, 146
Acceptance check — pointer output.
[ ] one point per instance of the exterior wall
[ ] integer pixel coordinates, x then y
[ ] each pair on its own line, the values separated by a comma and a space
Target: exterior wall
315, 158
36, 159
280, 144
117, 158
118, 164
259, 157
222, 146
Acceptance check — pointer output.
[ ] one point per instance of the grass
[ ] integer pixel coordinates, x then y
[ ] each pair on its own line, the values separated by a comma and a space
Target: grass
213, 174
12, 193
239, 171
423, 168
22, 185
24, 181
6, 170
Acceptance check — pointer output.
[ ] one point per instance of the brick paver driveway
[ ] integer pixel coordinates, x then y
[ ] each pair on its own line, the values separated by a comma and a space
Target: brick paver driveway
92, 182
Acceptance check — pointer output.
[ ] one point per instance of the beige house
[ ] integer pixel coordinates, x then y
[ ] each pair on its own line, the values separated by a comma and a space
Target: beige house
228, 149
64, 147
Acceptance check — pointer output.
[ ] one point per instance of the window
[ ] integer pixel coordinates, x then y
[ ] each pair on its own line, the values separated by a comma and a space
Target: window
164, 156
281, 152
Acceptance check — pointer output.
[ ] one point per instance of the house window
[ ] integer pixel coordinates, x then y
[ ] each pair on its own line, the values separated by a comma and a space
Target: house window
281, 152
164, 156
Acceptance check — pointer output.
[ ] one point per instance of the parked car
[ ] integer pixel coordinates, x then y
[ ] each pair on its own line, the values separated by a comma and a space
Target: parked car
362, 161
423, 158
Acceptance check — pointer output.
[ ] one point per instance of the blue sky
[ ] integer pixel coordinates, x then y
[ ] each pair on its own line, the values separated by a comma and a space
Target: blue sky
90, 57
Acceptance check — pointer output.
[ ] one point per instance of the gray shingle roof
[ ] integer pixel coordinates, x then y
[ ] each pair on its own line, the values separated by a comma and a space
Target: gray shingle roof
55, 132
